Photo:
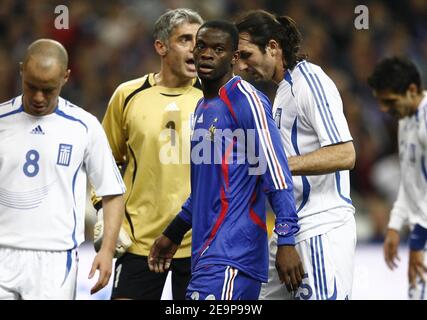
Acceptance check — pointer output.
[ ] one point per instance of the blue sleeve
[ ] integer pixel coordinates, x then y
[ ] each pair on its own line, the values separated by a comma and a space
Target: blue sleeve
187, 211
417, 240
255, 114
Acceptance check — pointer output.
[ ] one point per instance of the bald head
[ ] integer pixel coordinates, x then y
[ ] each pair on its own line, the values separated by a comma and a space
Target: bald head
46, 53
44, 73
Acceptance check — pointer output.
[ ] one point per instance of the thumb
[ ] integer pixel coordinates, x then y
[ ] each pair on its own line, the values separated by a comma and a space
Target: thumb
93, 270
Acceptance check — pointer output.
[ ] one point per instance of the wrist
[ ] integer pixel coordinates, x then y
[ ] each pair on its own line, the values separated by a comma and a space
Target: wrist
176, 230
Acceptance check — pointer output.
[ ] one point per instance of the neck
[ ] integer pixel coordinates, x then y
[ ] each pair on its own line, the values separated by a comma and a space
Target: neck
211, 87
279, 71
166, 78
418, 99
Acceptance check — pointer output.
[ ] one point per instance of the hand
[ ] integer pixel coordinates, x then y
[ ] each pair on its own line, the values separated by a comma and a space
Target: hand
161, 254
391, 244
123, 240
416, 267
289, 267
103, 263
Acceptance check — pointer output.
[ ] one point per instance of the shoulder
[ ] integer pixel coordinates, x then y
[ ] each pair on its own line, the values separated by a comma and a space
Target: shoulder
72, 112
11, 106
242, 92
131, 85
310, 75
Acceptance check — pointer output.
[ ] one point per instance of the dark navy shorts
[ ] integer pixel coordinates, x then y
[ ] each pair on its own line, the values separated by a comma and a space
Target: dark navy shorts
220, 282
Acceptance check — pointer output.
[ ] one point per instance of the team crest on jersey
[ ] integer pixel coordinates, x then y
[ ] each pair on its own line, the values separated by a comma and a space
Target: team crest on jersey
64, 154
211, 134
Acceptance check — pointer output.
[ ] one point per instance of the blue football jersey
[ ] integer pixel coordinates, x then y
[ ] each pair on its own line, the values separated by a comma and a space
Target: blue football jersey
236, 161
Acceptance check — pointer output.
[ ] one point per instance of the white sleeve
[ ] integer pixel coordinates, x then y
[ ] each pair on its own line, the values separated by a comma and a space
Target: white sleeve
399, 215
100, 165
320, 101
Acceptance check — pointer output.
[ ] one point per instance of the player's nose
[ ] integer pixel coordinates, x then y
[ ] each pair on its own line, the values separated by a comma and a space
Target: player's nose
243, 66
38, 96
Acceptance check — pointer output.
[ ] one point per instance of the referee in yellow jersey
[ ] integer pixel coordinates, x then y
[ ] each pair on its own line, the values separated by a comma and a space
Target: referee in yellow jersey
148, 127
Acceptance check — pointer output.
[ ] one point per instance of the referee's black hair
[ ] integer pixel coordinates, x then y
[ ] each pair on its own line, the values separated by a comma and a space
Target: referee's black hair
225, 26
395, 74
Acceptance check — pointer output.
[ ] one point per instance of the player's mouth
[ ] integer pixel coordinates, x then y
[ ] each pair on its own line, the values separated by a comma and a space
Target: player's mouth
38, 107
205, 68
190, 64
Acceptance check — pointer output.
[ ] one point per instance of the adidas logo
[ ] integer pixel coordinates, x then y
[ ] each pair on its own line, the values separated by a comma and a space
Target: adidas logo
37, 130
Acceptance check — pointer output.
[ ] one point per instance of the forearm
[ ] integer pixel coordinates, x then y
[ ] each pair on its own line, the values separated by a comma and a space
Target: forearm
324, 160
286, 224
113, 207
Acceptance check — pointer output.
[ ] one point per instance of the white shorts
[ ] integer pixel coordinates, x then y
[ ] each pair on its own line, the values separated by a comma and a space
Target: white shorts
37, 275
328, 261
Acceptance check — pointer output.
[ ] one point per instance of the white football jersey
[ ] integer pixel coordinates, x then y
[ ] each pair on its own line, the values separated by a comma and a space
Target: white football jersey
309, 113
44, 165
411, 203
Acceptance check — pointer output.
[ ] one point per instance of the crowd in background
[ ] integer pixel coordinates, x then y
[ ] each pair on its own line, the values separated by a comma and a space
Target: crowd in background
110, 42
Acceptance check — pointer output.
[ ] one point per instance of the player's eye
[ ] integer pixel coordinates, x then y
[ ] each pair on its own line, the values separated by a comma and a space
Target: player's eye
245, 55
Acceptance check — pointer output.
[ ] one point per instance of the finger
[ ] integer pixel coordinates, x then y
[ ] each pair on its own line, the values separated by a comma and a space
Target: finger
298, 276
301, 271
158, 265
102, 281
293, 280
168, 263
161, 265
152, 259
288, 283
281, 274
96, 287
93, 269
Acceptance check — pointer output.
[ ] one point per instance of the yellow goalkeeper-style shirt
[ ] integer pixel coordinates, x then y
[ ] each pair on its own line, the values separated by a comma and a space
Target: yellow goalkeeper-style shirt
148, 127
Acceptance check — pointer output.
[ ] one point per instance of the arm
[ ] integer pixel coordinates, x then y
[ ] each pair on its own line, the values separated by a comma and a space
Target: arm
113, 215
276, 180
327, 159
113, 128
166, 245
320, 107
398, 217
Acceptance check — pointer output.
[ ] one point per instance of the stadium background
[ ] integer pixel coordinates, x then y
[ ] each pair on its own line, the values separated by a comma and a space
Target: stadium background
110, 42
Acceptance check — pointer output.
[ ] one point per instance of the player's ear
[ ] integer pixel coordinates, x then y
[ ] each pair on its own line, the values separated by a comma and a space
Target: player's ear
236, 57
21, 68
67, 76
161, 48
412, 90
272, 47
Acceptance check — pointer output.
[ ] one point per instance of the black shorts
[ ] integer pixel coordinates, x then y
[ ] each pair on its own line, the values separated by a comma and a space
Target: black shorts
134, 280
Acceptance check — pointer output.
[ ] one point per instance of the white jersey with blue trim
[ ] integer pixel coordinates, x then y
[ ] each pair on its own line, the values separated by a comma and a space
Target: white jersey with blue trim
411, 204
309, 113
44, 165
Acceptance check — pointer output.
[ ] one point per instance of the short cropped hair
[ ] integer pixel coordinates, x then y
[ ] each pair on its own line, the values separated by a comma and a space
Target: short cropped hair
171, 19
395, 74
225, 26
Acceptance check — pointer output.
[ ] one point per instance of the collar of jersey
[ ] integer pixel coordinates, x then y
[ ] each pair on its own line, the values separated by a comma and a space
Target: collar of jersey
166, 90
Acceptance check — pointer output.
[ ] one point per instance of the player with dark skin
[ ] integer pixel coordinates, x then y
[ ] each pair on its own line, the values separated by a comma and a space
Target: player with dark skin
215, 58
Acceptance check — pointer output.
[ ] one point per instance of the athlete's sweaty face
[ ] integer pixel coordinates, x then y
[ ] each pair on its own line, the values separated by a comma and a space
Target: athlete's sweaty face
213, 54
41, 85
397, 105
